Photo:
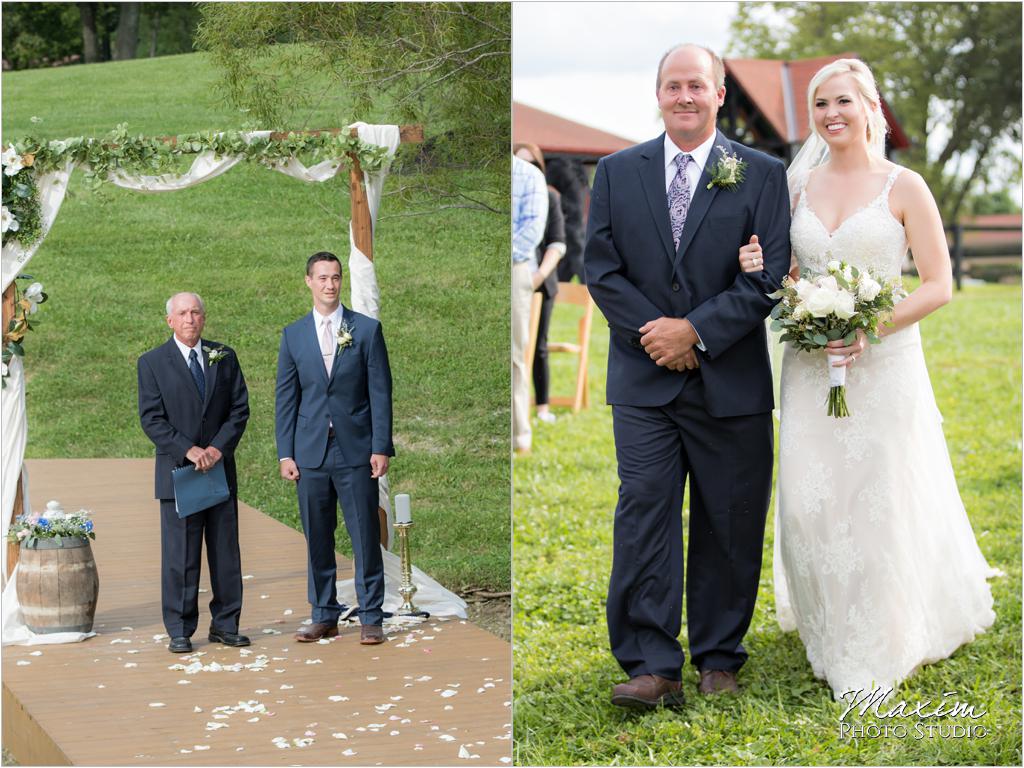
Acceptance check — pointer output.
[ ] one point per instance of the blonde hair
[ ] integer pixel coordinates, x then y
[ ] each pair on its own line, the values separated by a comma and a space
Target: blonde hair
858, 70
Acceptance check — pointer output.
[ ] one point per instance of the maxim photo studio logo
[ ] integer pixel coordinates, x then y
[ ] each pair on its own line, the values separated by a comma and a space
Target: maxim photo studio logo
948, 718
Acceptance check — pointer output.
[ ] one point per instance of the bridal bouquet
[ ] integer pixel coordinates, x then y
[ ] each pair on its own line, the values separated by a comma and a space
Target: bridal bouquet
817, 309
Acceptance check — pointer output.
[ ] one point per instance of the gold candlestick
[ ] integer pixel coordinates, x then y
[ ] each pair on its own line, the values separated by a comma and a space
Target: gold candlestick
407, 588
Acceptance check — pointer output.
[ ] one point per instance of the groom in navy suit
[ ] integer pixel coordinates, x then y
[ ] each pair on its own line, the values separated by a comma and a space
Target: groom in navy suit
333, 426
689, 380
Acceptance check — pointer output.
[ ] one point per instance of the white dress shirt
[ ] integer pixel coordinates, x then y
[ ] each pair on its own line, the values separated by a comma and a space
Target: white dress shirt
700, 157
318, 323
185, 349
694, 170
318, 331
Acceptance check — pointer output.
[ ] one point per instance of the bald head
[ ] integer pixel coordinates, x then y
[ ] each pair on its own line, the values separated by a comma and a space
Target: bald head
717, 66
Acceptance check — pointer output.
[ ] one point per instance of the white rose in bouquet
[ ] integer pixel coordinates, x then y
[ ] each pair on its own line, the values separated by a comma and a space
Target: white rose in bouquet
828, 282
833, 266
844, 305
822, 302
867, 288
803, 288
800, 311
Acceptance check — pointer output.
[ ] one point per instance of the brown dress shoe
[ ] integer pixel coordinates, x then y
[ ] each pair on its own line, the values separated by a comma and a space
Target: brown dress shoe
315, 632
648, 692
371, 634
714, 681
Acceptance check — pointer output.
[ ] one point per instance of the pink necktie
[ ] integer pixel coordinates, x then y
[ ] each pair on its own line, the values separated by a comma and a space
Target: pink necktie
327, 345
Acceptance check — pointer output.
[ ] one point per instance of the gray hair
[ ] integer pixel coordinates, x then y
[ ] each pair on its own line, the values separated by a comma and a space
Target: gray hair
170, 301
717, 65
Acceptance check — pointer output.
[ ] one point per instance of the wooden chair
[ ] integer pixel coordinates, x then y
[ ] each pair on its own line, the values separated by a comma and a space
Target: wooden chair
578, 295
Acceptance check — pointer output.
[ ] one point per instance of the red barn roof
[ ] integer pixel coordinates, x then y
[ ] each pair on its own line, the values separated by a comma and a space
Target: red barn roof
557, 134
770, 84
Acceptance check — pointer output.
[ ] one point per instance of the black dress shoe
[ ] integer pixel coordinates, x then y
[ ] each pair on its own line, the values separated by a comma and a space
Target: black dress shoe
180, 645
228, 638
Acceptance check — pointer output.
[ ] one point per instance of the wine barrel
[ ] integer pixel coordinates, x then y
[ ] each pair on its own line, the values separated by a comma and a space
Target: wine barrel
58, 585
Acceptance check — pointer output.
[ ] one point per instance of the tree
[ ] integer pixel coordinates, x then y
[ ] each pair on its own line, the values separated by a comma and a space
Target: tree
47, 34
127, 31
90, 42
446, 65
39, 34
950, 71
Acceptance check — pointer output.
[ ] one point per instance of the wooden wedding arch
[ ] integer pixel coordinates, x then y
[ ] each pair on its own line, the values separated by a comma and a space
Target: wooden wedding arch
362, 238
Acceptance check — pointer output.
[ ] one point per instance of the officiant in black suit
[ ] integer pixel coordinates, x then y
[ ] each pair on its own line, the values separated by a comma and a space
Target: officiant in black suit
193, 405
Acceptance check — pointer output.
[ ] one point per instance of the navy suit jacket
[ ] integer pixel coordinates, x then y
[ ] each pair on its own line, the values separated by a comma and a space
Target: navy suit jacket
635, 275
174, 417
356, 398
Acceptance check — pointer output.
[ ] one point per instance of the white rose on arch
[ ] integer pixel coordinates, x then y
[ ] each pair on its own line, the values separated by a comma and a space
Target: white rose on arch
7, 221
34, 293
11, 161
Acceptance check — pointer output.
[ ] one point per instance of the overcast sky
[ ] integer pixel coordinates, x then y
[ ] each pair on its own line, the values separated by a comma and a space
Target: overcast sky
596, 62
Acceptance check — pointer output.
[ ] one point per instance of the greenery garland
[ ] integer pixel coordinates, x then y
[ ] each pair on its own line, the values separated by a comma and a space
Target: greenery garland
29, 157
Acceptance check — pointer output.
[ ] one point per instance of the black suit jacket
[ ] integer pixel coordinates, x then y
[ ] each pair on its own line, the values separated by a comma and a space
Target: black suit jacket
174, 417
635, 275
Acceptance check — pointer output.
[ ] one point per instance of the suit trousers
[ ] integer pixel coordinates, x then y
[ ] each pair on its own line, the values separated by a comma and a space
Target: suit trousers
522, 297
320, 490
729, 464
181, 550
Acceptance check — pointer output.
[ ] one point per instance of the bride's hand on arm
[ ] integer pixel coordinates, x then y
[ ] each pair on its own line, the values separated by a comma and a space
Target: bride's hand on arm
751, 257
927, 240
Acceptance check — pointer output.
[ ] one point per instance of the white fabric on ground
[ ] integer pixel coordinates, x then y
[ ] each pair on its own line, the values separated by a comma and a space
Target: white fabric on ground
430, 596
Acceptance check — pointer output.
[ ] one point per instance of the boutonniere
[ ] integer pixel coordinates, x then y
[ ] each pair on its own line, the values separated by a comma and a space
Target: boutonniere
216, 355
344, 335
728, 170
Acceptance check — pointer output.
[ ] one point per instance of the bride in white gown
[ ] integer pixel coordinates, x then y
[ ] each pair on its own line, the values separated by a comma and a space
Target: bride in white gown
875, 563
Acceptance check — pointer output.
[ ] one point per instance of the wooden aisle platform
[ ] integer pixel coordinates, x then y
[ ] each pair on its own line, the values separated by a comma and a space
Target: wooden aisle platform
438, 693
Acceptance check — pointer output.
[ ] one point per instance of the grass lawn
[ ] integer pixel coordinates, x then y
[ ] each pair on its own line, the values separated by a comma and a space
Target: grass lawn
565, 496
241, 241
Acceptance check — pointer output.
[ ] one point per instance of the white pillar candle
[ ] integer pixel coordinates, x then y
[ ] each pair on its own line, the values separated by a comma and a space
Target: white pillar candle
402, 511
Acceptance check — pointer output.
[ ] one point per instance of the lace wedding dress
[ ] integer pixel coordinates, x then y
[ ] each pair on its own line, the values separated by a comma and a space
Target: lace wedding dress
876, 564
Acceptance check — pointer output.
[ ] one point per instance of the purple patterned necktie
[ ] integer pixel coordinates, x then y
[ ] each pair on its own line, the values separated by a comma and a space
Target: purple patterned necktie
679, 197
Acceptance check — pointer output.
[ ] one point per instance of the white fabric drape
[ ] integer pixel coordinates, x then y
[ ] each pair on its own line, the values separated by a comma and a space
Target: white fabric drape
52, 188
365, 295
13, 438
